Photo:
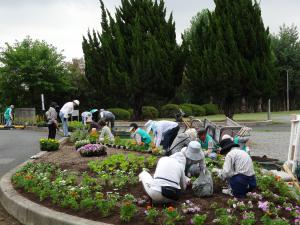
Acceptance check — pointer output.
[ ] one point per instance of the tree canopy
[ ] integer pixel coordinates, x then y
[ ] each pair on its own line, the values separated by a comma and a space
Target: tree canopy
135, 60
30, 68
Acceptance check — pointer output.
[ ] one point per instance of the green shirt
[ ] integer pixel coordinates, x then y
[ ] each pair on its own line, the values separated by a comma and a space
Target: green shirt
144, 136
7, 113
208, 143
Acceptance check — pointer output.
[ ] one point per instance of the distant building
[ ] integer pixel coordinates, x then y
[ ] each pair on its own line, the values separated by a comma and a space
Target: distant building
80, 64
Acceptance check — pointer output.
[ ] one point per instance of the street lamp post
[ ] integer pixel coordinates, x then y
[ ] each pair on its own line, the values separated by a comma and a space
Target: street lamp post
287, 91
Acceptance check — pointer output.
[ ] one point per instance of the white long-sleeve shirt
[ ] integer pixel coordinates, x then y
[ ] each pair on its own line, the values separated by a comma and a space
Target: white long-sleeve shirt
161, 128
67, 109
236, 162
169, 168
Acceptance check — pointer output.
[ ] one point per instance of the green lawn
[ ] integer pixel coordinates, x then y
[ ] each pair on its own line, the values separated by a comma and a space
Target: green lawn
247, 117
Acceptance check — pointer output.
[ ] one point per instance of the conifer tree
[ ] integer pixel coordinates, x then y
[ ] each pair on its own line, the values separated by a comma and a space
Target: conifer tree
135, 59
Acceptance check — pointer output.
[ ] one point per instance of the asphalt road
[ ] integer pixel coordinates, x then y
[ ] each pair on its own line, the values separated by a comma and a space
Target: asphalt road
16, 146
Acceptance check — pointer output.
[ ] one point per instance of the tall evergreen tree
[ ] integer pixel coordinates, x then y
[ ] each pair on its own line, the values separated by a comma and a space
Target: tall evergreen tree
230, 54
135, 60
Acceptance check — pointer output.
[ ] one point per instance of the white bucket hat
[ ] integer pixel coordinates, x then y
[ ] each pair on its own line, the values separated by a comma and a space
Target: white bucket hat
194, 151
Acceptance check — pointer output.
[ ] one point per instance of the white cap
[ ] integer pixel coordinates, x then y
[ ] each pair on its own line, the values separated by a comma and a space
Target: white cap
76, 102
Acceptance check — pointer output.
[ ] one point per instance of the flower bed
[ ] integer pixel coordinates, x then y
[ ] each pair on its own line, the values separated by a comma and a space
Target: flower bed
92, 150
109, 191
49, 144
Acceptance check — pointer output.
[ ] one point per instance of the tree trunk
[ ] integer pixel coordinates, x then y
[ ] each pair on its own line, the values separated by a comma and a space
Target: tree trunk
243, 106
228, 108
137, 108
259, 105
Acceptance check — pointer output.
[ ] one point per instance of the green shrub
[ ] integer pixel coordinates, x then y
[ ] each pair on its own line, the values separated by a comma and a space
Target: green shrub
169, 110
74, 125
120, 114
150, 112
187, 109
192, 109
49, 144
211, 109
198, 110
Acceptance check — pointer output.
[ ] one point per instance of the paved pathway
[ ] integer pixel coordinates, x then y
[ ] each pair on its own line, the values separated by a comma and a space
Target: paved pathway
272, 140
16, 146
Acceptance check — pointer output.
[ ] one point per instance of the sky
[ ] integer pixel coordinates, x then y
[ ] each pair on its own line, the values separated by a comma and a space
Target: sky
63, 23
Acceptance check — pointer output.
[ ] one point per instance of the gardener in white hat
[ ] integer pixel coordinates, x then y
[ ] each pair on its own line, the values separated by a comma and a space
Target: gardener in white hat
194, 159
64, 114
164, 132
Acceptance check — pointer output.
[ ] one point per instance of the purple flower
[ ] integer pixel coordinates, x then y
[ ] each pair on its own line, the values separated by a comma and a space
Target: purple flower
264, 206
288, 209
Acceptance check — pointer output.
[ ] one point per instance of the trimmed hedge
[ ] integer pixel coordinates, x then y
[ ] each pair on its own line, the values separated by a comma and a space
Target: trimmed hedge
211, 109
169, 110
187, 109
193, 109
120, 114
150, 112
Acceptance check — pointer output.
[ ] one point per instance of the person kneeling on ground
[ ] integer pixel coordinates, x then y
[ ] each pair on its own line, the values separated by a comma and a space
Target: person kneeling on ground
207, 143
194, 159
237, 169
105, 132
141, 137
182, 140
168, 181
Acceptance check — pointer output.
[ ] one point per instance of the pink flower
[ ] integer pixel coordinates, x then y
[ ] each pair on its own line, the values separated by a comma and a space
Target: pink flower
264, 206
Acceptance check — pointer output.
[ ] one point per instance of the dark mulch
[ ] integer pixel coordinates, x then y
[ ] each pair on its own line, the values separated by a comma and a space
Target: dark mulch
68, 158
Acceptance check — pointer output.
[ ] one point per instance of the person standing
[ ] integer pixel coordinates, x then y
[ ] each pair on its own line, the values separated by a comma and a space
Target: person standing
108, 117
51, 115
8, 116
64, 113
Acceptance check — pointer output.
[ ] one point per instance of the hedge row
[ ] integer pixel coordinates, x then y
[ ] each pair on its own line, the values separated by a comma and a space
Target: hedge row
167, 111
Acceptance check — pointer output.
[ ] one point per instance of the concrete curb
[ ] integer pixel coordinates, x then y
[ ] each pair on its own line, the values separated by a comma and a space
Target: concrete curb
30, 213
